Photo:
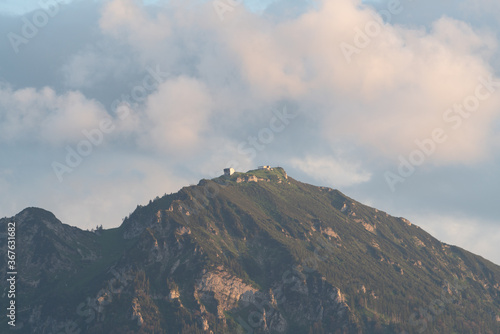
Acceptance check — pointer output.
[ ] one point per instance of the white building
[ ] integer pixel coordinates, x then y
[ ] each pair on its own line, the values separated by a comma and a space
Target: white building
265, 167
228, 171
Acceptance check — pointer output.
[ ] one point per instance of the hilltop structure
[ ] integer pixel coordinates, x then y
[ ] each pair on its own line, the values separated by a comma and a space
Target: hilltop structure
228, 171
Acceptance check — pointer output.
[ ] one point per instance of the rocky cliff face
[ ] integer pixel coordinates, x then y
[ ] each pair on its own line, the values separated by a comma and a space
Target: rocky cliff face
255, 252
221, 290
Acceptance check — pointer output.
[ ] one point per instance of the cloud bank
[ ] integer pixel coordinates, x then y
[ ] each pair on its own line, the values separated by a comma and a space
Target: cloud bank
187, 94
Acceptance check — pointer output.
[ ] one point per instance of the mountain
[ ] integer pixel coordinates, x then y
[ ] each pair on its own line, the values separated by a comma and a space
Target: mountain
255, 252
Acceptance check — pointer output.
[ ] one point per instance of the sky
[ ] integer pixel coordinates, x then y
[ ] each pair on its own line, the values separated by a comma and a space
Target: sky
105, 105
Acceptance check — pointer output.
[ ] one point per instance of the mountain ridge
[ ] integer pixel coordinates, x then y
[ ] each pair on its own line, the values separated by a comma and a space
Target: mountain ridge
255, 252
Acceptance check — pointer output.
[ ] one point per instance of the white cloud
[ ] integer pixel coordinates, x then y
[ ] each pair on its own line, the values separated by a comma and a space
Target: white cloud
42, 115
395, 90
177, 116
330, 171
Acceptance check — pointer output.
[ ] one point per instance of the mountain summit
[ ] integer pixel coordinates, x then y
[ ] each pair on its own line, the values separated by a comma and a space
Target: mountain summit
255, 252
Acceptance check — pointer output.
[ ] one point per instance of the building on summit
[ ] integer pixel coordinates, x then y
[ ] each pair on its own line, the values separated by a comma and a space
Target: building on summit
228, 171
